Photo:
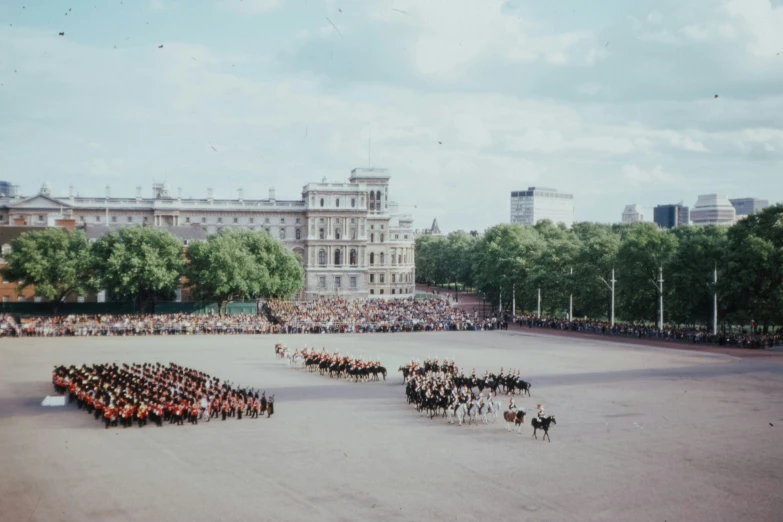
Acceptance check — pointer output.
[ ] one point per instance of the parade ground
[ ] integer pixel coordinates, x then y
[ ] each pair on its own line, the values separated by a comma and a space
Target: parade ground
643, 434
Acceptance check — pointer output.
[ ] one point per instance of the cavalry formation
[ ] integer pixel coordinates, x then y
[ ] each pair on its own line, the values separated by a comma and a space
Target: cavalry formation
142, 393
440, 389
334, 365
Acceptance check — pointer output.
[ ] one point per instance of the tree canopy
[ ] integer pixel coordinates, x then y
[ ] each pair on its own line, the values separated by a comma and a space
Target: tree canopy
139, 263
748, 257
55, 261
241, 264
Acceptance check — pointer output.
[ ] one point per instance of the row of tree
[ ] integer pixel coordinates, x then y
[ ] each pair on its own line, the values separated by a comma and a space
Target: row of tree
146, 264
511, 259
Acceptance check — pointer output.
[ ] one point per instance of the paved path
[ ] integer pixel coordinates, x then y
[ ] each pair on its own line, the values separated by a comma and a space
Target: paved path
643, 434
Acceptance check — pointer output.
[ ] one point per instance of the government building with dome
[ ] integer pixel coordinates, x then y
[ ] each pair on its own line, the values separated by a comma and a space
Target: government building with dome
350, 237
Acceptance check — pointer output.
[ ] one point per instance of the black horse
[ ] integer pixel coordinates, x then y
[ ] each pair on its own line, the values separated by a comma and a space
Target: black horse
543, 424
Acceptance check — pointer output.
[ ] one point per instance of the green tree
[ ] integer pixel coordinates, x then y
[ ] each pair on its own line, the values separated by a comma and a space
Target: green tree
240, 264
690, 273
643, 251
502, 259
138, 263
551, 269
753, 284
55, 261
593, 266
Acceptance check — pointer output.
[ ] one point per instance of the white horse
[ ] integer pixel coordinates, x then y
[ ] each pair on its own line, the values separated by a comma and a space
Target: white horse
460, 413
493, 409
473, 411
298, 360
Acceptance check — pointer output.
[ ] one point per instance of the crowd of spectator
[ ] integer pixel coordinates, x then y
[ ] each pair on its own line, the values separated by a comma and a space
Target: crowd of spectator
739, 337
335, 315
321, 316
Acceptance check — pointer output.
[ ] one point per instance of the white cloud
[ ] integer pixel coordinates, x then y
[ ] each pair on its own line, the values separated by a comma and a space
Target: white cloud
654, 17
590, 88
639, 177
763, 23
453, 35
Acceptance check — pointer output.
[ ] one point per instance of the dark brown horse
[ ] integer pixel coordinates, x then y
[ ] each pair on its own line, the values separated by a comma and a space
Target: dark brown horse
543, 424
517, 417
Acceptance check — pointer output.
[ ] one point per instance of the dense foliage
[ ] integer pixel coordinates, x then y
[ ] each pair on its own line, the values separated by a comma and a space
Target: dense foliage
562, 262
146, 264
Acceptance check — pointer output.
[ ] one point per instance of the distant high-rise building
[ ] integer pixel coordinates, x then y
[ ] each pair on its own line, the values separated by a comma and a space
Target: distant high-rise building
713, 209
632, 214
530, 206
748, 206
6, 189
670, 216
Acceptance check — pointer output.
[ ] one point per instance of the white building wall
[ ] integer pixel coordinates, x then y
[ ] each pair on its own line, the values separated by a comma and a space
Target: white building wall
530, 206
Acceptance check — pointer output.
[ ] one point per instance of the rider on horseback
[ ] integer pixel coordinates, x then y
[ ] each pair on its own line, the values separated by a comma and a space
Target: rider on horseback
512, 406
540, 411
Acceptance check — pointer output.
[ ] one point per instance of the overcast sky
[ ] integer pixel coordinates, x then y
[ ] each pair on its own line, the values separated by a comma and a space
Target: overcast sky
463, 100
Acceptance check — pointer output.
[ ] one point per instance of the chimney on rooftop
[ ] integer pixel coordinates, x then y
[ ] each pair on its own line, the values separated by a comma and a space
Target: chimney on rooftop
70, 191
240, 193
272, 194
138, 192
209, 194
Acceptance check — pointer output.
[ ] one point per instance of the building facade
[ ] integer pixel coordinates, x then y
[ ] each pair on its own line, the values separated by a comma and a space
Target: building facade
670, 216
713, 209
633, 214
349, 236
748, 206
530, 206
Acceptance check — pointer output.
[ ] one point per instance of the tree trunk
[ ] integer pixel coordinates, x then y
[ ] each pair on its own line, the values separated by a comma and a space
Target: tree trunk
222, 307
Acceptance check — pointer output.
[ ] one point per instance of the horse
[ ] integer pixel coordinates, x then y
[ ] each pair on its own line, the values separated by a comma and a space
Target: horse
494, 409
515, 417
473, 410
460, 412
523, 387
485, 410
543, 424
380, 370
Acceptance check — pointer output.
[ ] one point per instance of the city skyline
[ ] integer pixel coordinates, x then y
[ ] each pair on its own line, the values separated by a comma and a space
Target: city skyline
462, 109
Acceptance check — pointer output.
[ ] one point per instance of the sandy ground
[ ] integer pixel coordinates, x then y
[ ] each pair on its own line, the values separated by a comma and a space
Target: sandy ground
645, 434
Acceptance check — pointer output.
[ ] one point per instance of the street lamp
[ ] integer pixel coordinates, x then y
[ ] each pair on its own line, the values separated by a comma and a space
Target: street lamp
611, 287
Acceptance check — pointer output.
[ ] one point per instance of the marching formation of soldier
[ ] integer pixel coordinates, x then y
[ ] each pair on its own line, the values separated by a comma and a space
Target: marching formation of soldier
142, 393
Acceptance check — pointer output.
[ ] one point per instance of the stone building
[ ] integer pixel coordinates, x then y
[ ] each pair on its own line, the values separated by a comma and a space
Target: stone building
349, 236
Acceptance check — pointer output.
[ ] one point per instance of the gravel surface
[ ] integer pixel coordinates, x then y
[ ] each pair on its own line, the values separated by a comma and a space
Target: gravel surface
643, 433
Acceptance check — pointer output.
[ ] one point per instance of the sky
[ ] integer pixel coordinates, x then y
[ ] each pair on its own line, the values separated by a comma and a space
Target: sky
463, 101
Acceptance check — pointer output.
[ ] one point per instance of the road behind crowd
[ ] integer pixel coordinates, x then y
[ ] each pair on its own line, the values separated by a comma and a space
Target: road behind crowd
642, 433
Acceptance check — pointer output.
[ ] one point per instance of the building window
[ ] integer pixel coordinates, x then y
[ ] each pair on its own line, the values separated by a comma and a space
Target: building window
114, 219
372, 238
406, 236
353, 202
322, 233
21, 299
268, 231
97, 219
282, 221
220, 220
372, 258
337, 202
353, 281
81, 218
392, 290
40, 218
282, 233
353, 221
372, 227
298, 221
322, 202
337, 282
394, 277
372, 291
38, 299
298, 233
80, 299
187, 220
381, 238
322, 257
322, 221
353, 234
381, 291
203, 220
322, 282
381, 257
382, 279
145, 220
353, 257
396, 236
337, 233
338, 259
266, 220
252, 220
372, 278
236, 220
130, 219
185, 242
5, 298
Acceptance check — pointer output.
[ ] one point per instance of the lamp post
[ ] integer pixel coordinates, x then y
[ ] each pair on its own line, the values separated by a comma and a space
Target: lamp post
571, 297
659, 286
539, 302
715, 302
611, 287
